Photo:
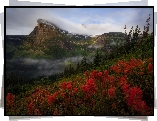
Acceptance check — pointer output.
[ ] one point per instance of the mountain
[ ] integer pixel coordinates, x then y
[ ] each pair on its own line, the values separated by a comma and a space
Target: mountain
110, 37
45, 30
47, 40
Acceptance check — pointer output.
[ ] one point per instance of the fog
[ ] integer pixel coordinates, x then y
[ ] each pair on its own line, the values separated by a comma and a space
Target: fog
32, 68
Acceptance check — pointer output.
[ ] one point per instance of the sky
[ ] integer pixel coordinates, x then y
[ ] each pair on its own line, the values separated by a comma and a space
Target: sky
90, 21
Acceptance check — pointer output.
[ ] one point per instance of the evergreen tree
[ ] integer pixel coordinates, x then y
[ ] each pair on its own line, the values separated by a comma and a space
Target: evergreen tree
98, 58
83, 65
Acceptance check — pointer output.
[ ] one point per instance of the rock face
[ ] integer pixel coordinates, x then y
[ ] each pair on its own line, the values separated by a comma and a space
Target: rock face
46, 30
43, 30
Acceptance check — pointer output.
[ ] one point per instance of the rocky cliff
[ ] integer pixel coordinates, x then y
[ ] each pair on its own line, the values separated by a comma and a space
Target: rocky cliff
44, 30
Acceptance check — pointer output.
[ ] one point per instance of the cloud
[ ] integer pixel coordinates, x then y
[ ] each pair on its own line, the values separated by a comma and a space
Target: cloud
33, 68
97, 21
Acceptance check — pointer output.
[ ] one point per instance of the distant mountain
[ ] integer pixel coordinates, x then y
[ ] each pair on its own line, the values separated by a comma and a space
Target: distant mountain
109, 38
15, 40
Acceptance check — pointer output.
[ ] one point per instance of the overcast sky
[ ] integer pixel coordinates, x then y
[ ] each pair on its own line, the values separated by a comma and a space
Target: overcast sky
91, 21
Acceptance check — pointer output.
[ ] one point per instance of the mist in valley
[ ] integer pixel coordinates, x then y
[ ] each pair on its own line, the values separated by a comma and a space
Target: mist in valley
33, 68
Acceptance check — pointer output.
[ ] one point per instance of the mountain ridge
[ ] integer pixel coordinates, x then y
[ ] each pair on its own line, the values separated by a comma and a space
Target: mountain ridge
46, 30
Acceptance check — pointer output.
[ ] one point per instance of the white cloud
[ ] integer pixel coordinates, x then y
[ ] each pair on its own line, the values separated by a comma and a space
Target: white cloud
72, 20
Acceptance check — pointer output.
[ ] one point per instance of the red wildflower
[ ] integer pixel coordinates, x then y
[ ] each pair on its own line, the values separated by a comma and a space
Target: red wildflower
119, 70
150, 60
94, 72
112, 78
114, 68
85, 88
123, 81
30, 108
106, 73
139, 105
140, 73
126, 70
139, 62
63, 85
75, 90
125, 88
52, 98
135, 93
142, 107
10, 98
99, 74
111, 92
92, 75
132, 61
150, 67
69, 86
90, 82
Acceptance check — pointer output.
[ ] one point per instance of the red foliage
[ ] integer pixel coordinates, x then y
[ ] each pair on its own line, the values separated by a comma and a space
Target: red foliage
135, 102
106, 73
111, 92
69, 87
85, 88
64, 85
123, 67
122, 81
10, 98
30, 108
150, 67
150, 60
125, 88
52, 98
99, 75
75, 90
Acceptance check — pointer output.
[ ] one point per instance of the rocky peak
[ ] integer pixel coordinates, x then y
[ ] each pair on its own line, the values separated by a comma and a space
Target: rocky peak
44, 30
45, 23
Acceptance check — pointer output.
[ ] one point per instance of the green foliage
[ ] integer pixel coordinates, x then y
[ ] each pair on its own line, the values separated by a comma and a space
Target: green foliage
97, 58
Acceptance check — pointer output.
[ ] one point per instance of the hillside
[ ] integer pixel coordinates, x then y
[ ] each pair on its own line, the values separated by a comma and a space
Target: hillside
118, 83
